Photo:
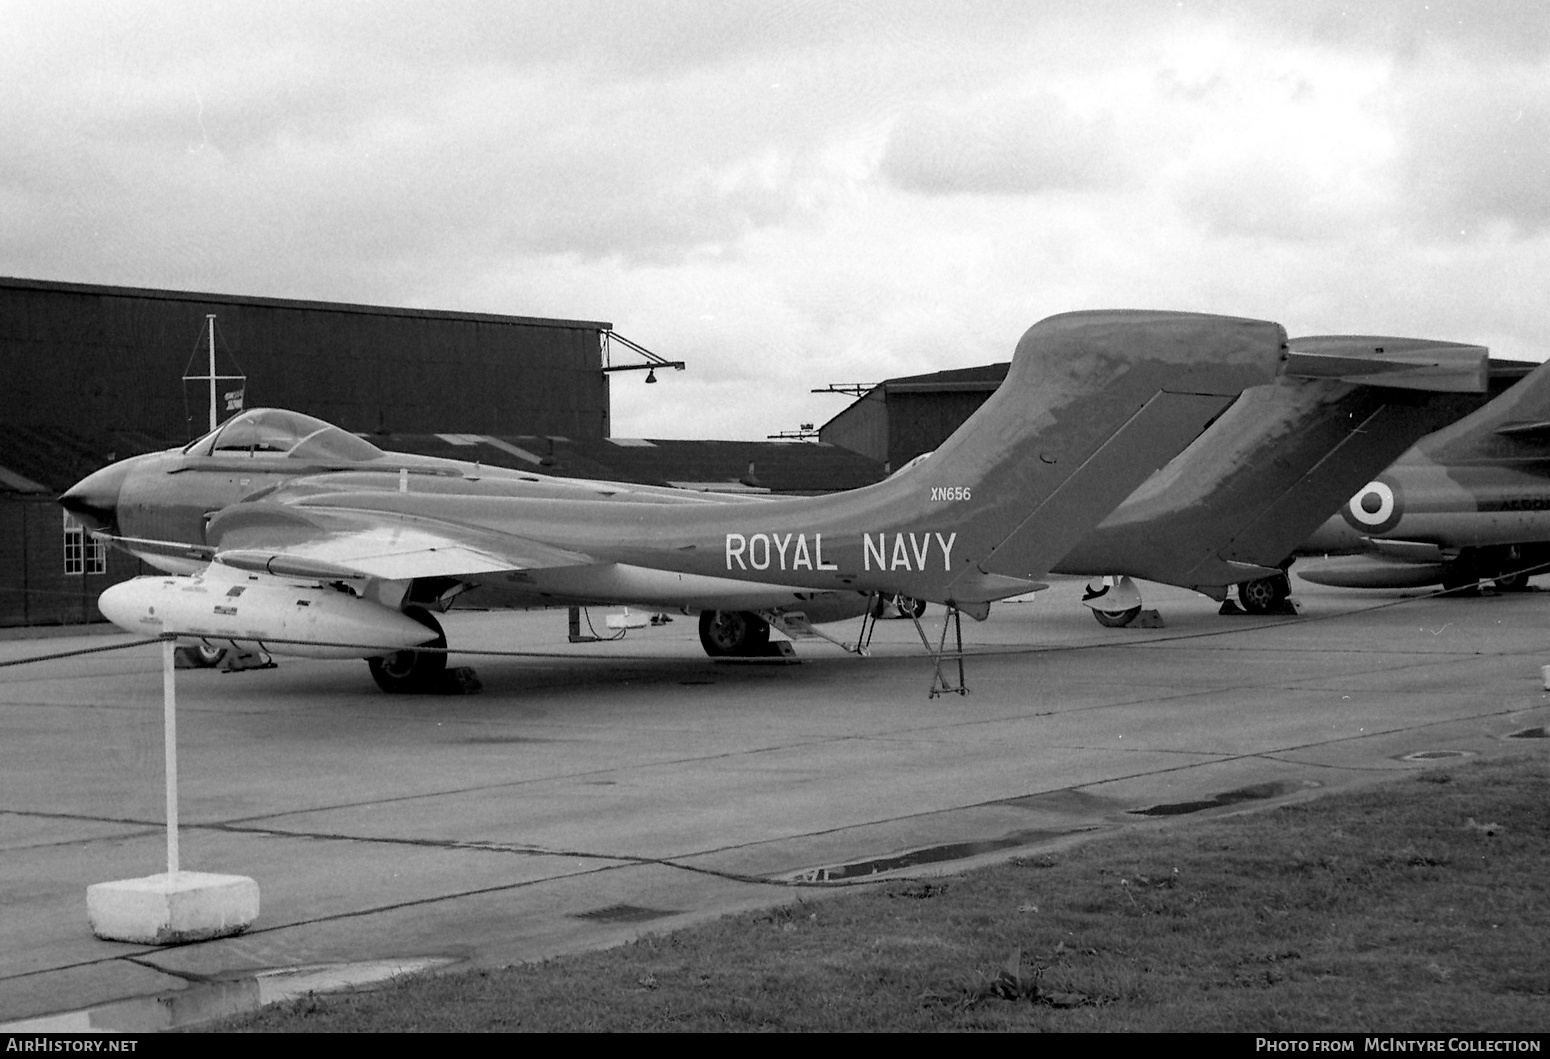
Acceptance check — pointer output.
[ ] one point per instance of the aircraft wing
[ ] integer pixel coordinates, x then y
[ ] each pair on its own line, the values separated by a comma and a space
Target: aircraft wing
327, 542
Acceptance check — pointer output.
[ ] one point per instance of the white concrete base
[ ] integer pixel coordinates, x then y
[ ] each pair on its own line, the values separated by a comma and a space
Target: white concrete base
169, 909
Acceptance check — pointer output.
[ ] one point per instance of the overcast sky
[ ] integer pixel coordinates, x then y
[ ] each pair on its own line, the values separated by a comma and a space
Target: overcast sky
789, 194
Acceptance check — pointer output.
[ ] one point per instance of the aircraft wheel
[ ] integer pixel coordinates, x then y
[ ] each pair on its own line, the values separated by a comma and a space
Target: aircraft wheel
407, 672
732, 633
1264, 595
909, 606
199, 656
1517, 582
1116, 619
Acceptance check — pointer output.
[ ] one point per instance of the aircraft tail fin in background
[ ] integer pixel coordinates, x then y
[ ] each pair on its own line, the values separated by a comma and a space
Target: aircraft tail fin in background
1514, 426
1236, 502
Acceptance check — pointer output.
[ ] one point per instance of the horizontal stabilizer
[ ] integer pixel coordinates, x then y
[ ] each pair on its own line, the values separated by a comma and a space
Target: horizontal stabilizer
1403, 363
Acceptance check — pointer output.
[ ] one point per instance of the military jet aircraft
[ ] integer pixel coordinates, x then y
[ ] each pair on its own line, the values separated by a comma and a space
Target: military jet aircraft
1232, 507
344, 562
1468, 503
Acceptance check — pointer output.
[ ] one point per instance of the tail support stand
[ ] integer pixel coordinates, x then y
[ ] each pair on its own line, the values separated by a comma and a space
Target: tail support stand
939, 682
868, 627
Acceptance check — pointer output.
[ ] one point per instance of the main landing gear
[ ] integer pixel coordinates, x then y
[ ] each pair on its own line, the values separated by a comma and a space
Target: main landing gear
1507, 569
1266, 595
733, 633
414, 670
903, 606
1116, 602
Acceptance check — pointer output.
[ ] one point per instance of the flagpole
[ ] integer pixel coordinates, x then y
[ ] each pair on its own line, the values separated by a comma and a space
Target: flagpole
210, 317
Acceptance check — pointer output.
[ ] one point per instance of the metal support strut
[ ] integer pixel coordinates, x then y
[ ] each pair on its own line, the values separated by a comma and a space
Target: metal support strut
939, 682
868, 625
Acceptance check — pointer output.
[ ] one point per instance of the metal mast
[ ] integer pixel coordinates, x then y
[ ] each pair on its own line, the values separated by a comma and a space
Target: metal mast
210, 321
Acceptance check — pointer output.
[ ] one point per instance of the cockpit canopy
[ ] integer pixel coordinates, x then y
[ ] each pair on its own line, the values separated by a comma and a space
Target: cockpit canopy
275, 433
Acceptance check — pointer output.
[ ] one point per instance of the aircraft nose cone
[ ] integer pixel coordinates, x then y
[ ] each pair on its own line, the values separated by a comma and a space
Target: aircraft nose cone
94, 499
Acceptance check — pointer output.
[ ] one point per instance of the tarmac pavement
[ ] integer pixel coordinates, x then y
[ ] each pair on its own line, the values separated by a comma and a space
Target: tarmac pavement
593, 792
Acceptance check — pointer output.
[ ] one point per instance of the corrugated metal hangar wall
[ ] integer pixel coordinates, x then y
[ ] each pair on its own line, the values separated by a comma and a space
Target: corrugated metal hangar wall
114, 357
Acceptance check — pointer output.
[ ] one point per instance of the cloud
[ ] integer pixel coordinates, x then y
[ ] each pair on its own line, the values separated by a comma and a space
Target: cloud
1477, 149
1002, 147
787, 194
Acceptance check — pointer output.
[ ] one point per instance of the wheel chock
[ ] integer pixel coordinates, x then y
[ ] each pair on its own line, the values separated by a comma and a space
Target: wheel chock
459, 680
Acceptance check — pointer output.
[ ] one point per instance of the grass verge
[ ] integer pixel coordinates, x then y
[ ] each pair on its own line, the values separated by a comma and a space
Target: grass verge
1419, 905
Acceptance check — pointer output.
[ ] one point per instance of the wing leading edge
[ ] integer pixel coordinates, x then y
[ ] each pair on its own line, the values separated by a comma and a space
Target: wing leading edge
318, 541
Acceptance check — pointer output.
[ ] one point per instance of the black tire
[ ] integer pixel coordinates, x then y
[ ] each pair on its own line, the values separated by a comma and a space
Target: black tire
909, 606
1265, 595
1117, 619
733, 633
412, 671
1517, 582
206, 656
199, 656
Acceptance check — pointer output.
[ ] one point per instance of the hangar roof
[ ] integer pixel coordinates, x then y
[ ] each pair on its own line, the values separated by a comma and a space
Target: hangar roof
984, 377
295, 303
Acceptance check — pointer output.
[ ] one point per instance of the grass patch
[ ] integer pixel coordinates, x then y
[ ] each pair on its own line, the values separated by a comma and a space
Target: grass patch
1419, 905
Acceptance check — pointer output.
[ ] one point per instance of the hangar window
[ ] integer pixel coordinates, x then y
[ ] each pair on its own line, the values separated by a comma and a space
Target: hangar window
83, 555
276, 433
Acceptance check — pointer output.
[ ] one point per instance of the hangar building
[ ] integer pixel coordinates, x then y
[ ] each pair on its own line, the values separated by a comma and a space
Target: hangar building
113, 357
897, 420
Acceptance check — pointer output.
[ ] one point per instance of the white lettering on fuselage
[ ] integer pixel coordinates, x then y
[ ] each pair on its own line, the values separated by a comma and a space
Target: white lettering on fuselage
911, 551
915, 552
762, 551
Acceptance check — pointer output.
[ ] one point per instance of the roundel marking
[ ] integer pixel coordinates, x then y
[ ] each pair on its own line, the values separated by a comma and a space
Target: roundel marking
1376, 508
